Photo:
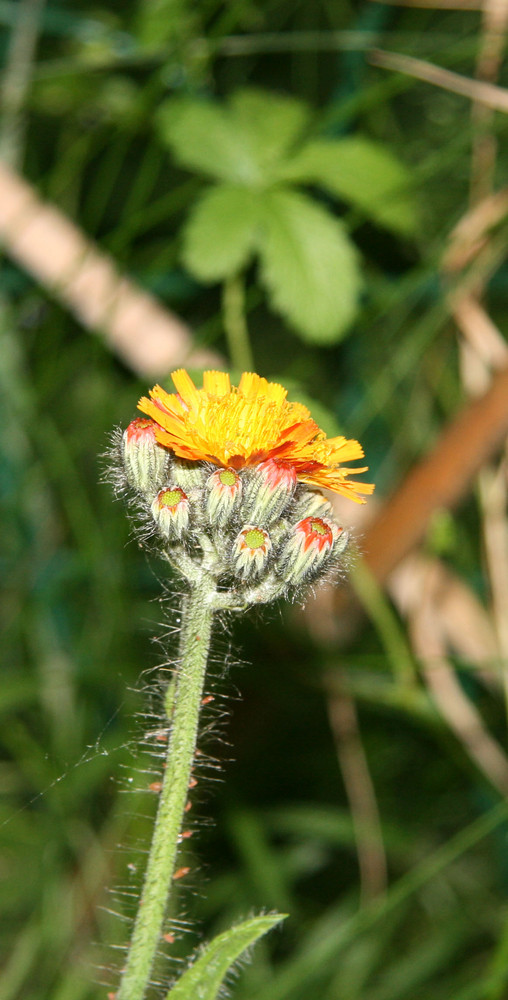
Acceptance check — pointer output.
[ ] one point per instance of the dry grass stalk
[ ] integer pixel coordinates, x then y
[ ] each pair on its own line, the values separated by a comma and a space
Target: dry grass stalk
483, 348
437, 4
150, 339
359, 788
463, 718
464, 624
474, 90
494, 499
471, 233
440, 480
481, 332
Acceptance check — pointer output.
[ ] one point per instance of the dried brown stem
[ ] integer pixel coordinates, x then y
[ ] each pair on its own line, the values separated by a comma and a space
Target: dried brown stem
474, 90
440, 480
437, 4
464, 622
359, 788
150, 339
478, 343
484, 150
481, 332
463, 718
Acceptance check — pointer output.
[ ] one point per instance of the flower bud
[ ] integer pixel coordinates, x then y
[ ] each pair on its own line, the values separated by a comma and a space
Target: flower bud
225, 491
190, 475
310, 503
309, 548
268, 488
145, 461
170, 510
250, 551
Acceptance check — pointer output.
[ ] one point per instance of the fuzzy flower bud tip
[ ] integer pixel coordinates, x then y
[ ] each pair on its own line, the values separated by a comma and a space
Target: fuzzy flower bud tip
250, 551
269, 490
224, 494
144, 459
310, 547
170, 511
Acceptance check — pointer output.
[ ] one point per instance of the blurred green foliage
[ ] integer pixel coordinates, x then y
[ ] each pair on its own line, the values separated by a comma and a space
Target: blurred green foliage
103, 139
255, 150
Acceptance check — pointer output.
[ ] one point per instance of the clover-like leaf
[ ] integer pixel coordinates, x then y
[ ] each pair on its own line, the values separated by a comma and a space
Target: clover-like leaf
309, 265
239, 141
271, 123
362, 172
203, 979
221, 231
203, 136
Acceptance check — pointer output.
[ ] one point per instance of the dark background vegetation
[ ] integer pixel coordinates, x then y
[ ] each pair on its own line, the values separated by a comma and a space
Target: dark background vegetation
309, 713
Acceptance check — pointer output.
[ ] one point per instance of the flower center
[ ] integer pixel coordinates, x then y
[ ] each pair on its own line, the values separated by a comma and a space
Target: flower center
254, 538
228, 477
170, 498
319, 528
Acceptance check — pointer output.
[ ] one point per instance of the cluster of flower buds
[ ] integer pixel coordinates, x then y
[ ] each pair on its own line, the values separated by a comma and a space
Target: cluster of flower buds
255, 529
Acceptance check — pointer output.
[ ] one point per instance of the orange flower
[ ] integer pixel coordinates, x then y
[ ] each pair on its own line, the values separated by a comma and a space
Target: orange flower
237, 427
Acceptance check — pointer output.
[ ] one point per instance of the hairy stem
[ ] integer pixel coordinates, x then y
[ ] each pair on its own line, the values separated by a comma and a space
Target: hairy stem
185, 704
233, 312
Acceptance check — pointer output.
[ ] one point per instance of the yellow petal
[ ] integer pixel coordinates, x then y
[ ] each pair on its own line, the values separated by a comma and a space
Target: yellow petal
216, 383
249, 384
254, 386
167, 401
344, 450
185, 388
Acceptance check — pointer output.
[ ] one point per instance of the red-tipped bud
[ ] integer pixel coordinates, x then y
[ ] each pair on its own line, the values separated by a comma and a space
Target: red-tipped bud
225, 491
170, 510
310, 547
268, 489
250, 551
145, 461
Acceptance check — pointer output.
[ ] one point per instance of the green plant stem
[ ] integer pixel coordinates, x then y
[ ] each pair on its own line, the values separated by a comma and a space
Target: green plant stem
233, 312
185, 705
16, 79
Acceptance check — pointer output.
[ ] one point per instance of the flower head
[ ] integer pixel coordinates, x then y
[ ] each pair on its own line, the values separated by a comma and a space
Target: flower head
235, 427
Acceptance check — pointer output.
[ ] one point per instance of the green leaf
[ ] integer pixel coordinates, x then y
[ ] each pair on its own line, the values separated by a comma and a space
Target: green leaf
237, 142
362, 172
271, 123
310, 267
204, 137
203, 979
167, 23
221, 232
